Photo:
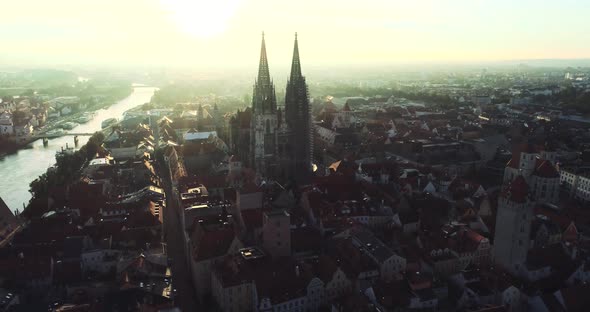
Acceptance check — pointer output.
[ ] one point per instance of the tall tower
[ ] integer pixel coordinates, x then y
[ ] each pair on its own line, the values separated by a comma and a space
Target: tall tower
276, 233
264, 123
513, 225
298, 119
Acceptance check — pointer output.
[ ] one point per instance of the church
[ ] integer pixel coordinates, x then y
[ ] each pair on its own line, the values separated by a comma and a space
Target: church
275, 141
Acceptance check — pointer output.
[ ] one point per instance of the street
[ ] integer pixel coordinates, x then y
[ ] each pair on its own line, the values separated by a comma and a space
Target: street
181, 274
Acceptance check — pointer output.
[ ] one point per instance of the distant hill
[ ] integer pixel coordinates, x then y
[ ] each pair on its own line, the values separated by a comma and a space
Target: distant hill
553, 62
37, 78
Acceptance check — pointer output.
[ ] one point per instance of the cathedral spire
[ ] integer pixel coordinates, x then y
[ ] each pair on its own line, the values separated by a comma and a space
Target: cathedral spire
298, 120
295, 64
263, 72
263, 97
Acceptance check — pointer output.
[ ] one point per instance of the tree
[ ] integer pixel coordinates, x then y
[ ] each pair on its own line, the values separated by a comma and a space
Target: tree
66, 170
28, 92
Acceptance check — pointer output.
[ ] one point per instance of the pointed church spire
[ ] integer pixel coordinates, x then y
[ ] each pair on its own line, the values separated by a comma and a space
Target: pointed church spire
296, 64
263, 72
263, 96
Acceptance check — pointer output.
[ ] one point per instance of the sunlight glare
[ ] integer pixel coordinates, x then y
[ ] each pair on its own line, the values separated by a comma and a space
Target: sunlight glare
201, 18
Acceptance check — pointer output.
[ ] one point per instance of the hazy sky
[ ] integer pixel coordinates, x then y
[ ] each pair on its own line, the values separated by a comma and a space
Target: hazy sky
227, 32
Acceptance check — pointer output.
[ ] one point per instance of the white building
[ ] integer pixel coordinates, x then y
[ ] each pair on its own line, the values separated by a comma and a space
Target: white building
208, 247
100, 260
23, 132
577, 182
6, 124
536, 166
513, 226
344, 118
391, 264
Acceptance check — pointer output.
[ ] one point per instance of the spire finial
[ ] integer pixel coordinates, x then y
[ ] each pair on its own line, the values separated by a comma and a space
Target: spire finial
295, 64
263, 72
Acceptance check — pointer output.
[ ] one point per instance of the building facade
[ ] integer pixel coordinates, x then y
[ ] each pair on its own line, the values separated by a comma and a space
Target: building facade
264, 123
276, 143
298, 121
536, 166
576, 182
513, 226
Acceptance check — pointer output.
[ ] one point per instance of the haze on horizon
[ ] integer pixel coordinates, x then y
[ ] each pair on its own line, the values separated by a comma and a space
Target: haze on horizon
222, 33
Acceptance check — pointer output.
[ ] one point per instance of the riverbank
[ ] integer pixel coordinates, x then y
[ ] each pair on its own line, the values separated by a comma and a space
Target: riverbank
8, 147
24, 165
13, 144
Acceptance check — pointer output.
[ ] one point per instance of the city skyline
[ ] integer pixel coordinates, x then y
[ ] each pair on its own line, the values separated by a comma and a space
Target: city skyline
257, 155
204, 34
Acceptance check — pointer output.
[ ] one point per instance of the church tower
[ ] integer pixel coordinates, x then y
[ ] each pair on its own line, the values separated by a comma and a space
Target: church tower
298, 119
513, 226
264, 122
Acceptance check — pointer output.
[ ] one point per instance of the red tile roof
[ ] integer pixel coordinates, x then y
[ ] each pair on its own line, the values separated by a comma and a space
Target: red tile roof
326, 267
346, 108
250, 187
523, 148
576, 298
252, 218
305, 239
218, 181
517, 191
545, 169
571, 233
560, 218
213, 243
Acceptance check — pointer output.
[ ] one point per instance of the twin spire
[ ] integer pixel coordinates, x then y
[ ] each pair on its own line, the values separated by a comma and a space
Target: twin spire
263, 71
295, 64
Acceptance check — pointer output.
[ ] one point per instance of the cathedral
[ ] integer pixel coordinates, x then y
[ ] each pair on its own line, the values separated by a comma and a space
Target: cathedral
276, 142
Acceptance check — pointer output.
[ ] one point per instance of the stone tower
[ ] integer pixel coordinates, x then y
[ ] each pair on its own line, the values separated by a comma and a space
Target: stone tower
276, 233
513, 225
264, 122
298, 119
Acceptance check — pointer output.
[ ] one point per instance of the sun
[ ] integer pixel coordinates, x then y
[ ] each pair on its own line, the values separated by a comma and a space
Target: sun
201, 18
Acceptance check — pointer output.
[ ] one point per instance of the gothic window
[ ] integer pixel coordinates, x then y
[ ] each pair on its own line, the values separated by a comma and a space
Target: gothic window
267, 126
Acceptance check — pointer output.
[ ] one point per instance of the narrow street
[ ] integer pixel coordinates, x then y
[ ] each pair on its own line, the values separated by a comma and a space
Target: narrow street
181, 275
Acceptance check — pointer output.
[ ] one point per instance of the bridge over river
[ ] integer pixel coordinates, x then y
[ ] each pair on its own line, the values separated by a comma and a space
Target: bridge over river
59, 135
20, 168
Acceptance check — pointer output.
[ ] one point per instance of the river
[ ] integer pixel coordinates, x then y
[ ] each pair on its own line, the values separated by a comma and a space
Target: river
19, 169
